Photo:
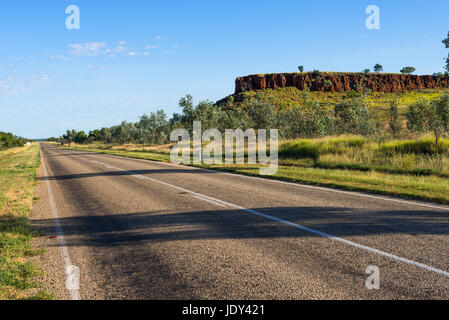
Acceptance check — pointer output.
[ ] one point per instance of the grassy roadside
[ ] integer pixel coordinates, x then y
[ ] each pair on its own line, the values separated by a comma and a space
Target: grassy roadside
424, 187
17, 179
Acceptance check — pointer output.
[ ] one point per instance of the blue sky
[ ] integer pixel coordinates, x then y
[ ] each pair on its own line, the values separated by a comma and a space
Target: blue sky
133, 57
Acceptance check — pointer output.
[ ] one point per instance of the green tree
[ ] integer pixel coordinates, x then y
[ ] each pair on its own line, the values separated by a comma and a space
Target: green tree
318, 120
80, 137
94, 135
353, 117
394, 119
263, 115
106, 135
301, 69
378, 68
408, 70
426, 116
366, 71
442, 111
188, 112
292, 123
446, 44
153, 128
234, 118
9, 140
69, 136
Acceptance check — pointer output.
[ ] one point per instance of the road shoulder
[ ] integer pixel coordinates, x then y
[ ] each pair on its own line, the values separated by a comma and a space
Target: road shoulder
53, 276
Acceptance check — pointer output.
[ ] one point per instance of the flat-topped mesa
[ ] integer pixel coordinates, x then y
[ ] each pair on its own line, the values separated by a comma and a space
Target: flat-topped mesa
340, 82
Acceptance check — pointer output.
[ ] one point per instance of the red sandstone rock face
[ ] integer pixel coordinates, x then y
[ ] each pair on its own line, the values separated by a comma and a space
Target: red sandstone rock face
340, 82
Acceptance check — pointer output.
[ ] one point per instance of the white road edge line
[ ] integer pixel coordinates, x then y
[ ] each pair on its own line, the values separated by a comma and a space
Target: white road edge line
298, 185
294, 225
74, 294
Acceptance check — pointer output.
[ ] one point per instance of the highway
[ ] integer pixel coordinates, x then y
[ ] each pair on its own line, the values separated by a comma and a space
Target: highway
138, 229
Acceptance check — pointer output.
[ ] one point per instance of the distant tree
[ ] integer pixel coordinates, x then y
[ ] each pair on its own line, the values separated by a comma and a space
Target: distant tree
378, 68
106, 135
9, 140
154, 128
408, 70
123, 133
188, 112
94, 135
366, 71
69, 136
80, 137
394, 121
301, 69
446, 44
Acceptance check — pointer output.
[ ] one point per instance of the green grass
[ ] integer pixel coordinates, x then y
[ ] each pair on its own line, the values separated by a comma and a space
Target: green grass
17, 179
406, 168
136, 154
421, 146
431, 188
411, 157
309, 148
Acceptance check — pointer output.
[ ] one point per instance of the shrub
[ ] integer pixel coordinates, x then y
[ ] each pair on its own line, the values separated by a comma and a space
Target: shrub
353, 117
430, 116
292, 123
263, 115
8, 140
318, 120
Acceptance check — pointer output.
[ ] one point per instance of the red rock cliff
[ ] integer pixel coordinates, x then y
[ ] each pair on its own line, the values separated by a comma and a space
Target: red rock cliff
340, 82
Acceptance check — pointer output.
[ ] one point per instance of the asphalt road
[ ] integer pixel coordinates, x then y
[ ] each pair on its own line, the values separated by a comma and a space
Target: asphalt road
145, 230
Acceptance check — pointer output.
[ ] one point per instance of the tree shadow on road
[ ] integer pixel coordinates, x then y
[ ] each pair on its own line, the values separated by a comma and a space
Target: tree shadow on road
99, 228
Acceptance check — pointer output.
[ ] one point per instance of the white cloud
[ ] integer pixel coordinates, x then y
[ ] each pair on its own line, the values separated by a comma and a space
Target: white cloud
118, 49
102, 48
134, 53
88, 48
59, 57
13, 85
102, 68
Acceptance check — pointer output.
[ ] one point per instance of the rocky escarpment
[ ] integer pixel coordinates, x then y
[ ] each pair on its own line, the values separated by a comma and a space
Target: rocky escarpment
340, 82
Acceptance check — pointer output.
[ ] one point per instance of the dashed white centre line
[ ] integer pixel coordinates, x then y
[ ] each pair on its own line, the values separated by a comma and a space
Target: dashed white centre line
291, 224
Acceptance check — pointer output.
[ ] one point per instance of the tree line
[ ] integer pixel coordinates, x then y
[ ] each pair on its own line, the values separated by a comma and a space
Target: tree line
9, 140
309, 119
